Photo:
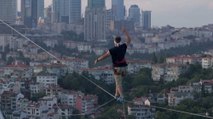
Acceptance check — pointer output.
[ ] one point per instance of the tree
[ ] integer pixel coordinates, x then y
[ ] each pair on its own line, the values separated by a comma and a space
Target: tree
37, 96
10, 60
143, 77
75, 81
154, 58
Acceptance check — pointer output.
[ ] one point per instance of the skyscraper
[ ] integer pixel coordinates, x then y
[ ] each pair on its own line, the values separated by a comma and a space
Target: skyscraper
118, 10
8, 9
67, 11
31, 11
134, 14
96, 4
146, 19
95, 21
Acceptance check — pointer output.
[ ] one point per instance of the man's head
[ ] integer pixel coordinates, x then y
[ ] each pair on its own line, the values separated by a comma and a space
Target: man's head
117, 40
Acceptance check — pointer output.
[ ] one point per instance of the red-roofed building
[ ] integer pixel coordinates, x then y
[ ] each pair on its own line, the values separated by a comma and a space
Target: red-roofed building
183, 59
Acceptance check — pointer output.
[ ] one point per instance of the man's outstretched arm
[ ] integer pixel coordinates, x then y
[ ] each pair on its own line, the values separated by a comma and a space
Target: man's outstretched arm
128, 38
105, 55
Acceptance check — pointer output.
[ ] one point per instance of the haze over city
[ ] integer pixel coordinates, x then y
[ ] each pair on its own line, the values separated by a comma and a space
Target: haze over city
178, 13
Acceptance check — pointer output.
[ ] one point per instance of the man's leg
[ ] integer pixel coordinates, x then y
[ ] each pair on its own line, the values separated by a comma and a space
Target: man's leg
118, 83
116, 88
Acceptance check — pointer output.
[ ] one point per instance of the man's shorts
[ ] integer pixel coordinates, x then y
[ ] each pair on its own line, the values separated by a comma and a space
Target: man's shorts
119, 73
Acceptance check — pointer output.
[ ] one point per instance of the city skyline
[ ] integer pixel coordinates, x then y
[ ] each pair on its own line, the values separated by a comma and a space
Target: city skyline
182, 13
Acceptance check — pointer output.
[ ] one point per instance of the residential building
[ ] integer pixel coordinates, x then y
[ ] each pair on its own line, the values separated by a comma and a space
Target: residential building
207, 86
174, 98
173, 71
207, 62
197, 87
35, 88
67, 11
95, 21
183, 59
185, 89
140, 109
167, 72
8, 9
86, 104
146, 20
104, 73
136, 65
47, 79
32, 11
158, 72
8, 101
161, 98
69, 97
118, 10
178, 94
48, 102
52, 90
17, 69
64, 111
33, 110
75, 64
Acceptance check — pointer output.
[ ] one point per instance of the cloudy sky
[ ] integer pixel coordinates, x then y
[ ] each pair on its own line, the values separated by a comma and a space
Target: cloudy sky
178, 13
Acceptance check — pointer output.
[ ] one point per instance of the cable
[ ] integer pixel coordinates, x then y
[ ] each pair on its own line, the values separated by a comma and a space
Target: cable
184, 112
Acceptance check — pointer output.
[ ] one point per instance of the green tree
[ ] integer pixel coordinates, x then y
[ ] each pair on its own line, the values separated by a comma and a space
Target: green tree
143, 77
37, 96
10, 60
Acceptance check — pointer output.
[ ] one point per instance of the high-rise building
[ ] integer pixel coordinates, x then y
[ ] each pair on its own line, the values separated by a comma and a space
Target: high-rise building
134, 14
67, 11
31, 11
95, 21
146, 19
96, 4
8, 9
109, 19
118, 10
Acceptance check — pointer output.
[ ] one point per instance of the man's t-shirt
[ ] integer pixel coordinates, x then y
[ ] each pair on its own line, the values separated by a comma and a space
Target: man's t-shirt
118, 55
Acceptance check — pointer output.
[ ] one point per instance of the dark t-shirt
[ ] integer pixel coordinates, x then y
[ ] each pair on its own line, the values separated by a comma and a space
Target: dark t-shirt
118, 55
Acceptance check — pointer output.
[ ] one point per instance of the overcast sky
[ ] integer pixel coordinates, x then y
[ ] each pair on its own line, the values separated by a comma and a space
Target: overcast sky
178, 13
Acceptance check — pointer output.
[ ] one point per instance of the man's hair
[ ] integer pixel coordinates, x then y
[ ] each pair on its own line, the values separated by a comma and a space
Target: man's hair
117, 39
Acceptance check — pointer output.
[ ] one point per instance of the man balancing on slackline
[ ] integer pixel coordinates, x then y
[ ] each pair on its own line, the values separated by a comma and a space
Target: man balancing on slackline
119, 63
